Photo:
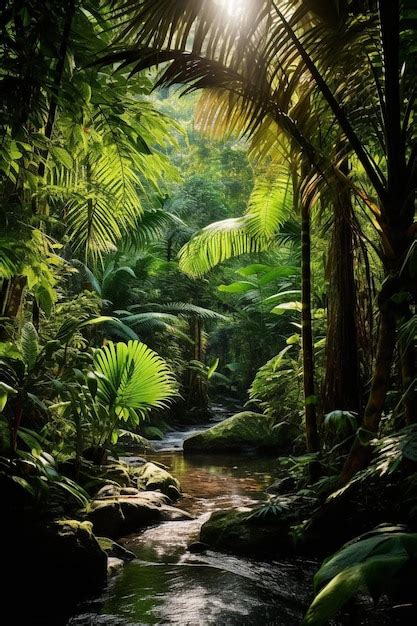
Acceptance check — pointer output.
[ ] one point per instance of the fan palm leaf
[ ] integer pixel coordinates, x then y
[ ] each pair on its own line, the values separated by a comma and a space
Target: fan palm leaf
132, 378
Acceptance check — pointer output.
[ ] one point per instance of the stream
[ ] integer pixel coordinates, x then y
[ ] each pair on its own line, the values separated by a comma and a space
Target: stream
167, 584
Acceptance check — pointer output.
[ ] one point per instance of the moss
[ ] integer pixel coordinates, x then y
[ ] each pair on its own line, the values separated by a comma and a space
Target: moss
152, 477
114, 517
115, 550
105, 543
76, 525
234, 531
243, 431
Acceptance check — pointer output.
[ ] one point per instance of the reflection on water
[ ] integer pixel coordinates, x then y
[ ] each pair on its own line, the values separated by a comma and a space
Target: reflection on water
166, 584
216, 481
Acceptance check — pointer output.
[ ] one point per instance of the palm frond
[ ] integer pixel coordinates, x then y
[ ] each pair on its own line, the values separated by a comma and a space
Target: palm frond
132, 377
270, 203
189, 310
218, 242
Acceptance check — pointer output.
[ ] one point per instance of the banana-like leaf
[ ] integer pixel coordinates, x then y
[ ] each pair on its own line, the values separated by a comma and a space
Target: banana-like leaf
29, 345
286, 306
241, 286
212, 368
373, 562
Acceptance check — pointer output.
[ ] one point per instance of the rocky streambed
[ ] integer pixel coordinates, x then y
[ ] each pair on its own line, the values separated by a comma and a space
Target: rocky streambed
170, 578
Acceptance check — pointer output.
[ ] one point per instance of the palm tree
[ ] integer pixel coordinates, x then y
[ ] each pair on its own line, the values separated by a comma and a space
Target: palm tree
82, 158
367, 48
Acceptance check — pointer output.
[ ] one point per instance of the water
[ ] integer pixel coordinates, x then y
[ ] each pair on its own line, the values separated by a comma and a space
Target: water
166, 584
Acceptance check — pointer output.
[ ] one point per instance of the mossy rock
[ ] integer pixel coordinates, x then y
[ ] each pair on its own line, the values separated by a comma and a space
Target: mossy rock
236, 532
264, 531
242, 432
152, 477
115, 517
58, 564
115, 550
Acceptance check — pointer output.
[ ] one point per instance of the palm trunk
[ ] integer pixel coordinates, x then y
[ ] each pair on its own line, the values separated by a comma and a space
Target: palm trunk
310, 413
341, 388
12, 296
409, 375
59, 71
360, 453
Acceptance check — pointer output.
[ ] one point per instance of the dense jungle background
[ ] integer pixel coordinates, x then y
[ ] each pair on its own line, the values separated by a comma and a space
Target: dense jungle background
208, 327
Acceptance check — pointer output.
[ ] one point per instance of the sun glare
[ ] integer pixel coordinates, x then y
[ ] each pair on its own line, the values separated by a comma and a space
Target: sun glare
231, 7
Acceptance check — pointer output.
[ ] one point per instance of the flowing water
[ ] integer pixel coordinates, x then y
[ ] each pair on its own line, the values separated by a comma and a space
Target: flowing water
167, 584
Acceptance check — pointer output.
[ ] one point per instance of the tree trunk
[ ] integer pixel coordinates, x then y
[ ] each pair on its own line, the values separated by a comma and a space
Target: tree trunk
341, 388
12, 295
360, 454
310, 413
409, 375
59, 71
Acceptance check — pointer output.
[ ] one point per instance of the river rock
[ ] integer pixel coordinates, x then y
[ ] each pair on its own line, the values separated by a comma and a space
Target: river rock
259, 533
114, 565
246, 431
233, 531
172, 514
116, 473
152, 477
134, 461
53, 566
115, 550
114, 491
114, 517
197, 547
283, 486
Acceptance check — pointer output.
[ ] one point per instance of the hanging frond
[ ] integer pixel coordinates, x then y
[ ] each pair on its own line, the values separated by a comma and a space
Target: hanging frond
111, 207
218, 242
270, 203
150, 227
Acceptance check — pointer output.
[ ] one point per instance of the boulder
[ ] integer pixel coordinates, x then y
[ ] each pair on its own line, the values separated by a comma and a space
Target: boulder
235, 532
152, 477
114, 491
114, 517
283, 486
116, 473
197, 547
263, 532
115, 550
243, 432
57, 564
172, 514
134, 461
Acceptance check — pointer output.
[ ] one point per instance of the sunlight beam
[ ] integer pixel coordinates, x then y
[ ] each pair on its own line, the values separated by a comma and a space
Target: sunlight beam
231, 7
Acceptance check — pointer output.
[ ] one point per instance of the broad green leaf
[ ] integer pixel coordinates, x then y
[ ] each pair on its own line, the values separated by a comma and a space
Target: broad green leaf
286, 306
253, 269
62, 156
213, 368
29, 345
237, 287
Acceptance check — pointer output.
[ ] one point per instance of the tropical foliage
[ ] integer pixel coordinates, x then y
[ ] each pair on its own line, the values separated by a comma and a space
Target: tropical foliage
214, 203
